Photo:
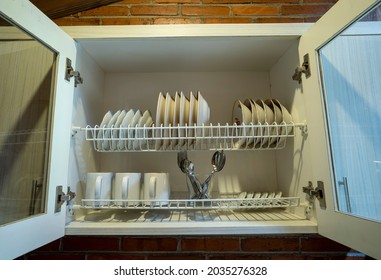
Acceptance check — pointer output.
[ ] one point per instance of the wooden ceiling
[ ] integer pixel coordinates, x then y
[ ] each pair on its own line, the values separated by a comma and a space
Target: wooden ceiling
61, 8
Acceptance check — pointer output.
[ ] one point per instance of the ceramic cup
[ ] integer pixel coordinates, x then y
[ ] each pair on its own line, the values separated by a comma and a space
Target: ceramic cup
127, 186
156, 187
98, 186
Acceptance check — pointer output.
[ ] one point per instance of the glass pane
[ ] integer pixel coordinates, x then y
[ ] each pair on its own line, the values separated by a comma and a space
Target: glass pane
26, 80
351, 73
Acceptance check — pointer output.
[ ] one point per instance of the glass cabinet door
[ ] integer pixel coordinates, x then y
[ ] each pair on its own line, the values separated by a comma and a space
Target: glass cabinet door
351, 69
35, 127
344, 121
26, 93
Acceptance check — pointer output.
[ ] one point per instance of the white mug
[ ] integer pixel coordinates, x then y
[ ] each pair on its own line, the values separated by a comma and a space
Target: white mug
98, 186
156, 187
127, 186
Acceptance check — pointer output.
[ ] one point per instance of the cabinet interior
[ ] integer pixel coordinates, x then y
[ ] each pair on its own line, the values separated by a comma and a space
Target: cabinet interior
129, 73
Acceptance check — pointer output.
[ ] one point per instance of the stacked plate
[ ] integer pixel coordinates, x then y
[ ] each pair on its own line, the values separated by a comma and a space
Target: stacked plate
265, 123
177, 118
123, 130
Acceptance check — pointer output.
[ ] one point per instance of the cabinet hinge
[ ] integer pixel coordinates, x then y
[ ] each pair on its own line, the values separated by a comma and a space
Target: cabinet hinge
61, 197
317, 192
305, 68
69, 73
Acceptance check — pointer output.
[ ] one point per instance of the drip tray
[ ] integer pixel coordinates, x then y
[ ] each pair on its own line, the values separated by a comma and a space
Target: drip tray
188, 222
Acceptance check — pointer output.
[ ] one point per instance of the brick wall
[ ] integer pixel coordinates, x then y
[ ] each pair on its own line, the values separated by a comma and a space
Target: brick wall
262, 247
134, 12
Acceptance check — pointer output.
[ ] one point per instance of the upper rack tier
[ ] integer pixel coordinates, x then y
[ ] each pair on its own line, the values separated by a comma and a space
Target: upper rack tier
191, 137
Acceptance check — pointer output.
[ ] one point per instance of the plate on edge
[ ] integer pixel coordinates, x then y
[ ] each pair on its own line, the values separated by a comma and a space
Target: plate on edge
160, 111
123, 134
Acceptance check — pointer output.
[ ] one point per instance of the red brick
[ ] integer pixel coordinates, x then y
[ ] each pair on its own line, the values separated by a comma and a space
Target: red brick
228, 20
71, 21
149, 244
113, 256
321, 1
154, 10
126, 2
311, 19
127, 21
177, 1
89, 243
239, 256
176, 20
205, 10
210, 244
278, 19
321, 244
107, 11
266, 244
57, 256
249, 1
52, 246
179, 256
304, 9
255, 10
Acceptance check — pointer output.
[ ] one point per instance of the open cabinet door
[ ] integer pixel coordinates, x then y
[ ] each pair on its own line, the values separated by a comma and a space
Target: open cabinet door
34, 158
343, 95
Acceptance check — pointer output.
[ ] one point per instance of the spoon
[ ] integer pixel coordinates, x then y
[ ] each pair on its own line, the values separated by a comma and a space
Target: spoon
181, 156
188, 166
218, 163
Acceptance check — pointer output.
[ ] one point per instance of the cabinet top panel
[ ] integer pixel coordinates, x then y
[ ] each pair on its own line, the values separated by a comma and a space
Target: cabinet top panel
187, 48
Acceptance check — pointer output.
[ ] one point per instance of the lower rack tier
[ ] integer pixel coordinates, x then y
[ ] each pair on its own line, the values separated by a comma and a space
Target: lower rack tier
189, 204
192, 137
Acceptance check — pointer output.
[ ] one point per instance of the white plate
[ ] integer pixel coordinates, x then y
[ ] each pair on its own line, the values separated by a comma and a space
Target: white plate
286, 119
168, 118
106, 144
260, 120
115, 133
192, 116
241, 116
131, 132
254, 120
107, 117
144, 121
203, 112
160, 111
277, 120
203, 115
123, 132
176, 118
184, 116
269, 119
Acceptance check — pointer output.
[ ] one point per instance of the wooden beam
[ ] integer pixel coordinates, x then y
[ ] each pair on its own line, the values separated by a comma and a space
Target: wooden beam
61, 8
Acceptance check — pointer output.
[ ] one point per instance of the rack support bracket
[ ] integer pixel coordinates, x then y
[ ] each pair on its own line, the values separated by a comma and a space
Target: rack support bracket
70, 73
61, 198
317, 192
305, 68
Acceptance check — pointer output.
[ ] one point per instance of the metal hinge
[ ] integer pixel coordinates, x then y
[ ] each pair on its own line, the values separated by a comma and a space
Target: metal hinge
61, 198
317, 192
305, 68
69, 73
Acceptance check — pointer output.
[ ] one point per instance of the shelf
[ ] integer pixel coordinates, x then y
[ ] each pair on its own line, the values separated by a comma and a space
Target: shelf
196, 137
191, 204
189, 222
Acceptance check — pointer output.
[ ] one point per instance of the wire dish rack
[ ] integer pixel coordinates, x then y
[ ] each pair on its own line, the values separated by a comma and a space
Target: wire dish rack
191, 137
189, 204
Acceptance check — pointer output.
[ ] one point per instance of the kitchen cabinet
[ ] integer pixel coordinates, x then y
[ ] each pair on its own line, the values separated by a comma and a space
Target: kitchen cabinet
125, 67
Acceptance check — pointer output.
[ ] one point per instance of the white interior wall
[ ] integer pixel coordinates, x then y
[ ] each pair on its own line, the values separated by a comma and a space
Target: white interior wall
244, 171
87, 104
292, 163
